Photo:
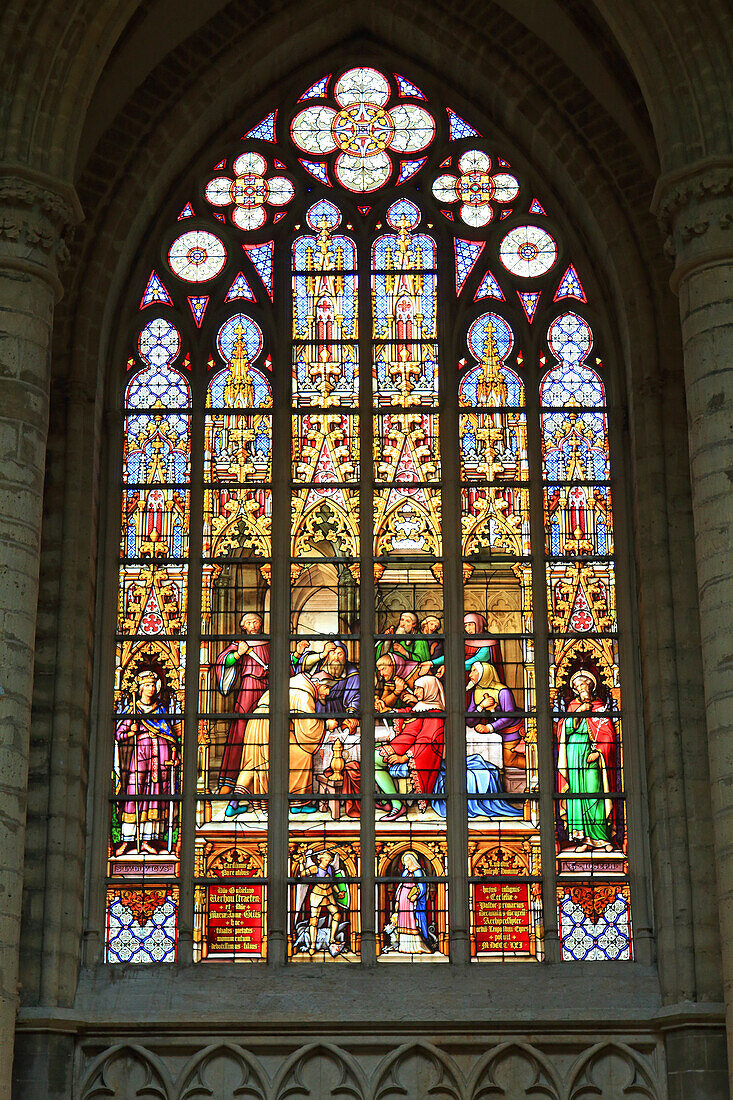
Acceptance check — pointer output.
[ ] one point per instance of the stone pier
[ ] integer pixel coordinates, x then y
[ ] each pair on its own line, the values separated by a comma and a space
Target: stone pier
33, 214
695, 206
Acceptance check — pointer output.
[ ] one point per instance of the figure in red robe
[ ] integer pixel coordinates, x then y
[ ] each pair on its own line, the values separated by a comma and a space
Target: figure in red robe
415, 751
146, 756
246, 662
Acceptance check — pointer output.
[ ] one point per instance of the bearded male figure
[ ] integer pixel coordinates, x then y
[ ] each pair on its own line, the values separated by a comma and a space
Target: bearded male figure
307, 731
334, 665
146, 754
406, 642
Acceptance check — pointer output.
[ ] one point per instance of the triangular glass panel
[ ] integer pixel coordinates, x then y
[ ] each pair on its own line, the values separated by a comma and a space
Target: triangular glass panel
198, 308
407, 88
459, 128
408, 168
279, 164
325, 465
570, 286
503, 163
467, 253
317, 170
278, 217
489, 288
505, 214
331, 492
240, 288
151, 620
221, 164
529, 300
449, 215
264, 130
317, 90
581, 618
187, 212
261, 257
403, 496
445, 163
535, 207
219, 217
363, 210
155, 292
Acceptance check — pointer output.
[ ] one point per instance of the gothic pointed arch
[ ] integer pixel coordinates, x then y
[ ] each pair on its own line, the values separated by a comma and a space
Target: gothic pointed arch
365, 367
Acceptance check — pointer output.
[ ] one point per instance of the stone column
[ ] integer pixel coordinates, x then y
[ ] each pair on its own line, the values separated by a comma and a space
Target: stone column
33, 213
696, 208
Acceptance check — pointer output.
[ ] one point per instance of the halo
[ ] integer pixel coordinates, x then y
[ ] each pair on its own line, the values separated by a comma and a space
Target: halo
586, 674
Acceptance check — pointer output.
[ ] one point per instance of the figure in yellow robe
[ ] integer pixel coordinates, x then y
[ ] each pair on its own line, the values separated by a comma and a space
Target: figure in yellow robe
307, 730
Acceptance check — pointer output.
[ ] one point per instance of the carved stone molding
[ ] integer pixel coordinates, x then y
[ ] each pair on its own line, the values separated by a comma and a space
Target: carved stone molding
37, 213
556, 1069
677, 190
694, 208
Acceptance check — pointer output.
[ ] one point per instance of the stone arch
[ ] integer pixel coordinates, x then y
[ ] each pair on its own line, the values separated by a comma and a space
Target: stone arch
127, 1072
108, 254
612, 1071
612, 219
418, 1069
514, 1071
224, 1071
324, 1067
654, 44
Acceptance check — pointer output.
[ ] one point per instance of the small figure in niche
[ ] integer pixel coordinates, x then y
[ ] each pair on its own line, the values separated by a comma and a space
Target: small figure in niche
585, 766
146, 756
321, 904
409, 930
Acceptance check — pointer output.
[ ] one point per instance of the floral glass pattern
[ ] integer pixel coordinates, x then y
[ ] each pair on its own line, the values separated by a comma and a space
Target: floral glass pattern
250, 191
363, 129
476, 188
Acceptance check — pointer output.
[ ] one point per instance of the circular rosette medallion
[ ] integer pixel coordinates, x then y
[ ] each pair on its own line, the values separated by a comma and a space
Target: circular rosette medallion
249, 191
362, 130
197, 256
528, 251
476, 188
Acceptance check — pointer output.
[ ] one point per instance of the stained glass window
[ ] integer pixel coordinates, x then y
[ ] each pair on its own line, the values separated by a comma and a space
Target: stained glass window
366, 701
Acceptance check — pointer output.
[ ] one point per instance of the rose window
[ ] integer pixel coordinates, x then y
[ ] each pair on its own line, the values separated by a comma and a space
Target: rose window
249, 191
363, 130
528, 251
197, 256
476, 188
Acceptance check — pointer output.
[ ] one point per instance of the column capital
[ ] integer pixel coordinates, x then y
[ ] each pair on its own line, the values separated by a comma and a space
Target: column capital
694, 207
36, 211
